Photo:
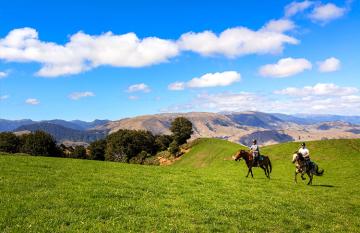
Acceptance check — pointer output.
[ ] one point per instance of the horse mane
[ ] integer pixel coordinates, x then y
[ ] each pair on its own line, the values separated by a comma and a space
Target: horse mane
300, 156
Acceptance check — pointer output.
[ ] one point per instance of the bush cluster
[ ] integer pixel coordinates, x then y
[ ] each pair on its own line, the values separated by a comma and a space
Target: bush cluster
129, 146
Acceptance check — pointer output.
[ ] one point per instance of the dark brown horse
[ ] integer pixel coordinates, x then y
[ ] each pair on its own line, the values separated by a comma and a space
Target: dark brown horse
302, 168
263, 162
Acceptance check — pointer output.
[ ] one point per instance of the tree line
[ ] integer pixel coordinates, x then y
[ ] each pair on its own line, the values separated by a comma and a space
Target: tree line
129, 146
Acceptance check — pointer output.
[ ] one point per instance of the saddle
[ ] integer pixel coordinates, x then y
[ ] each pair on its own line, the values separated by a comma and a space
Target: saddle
256, 162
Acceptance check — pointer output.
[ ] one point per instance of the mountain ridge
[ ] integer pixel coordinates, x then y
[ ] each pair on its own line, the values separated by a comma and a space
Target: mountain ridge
239, 127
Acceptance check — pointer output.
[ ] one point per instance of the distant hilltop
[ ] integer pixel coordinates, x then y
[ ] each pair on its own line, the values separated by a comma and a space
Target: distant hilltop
239, 127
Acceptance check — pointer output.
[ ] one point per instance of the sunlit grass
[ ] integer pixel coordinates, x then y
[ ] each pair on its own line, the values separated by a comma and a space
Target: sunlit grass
204, 191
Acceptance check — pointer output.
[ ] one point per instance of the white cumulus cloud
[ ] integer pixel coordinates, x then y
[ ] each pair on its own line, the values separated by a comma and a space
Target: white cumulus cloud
297, 7
247, 101
176, 86
217, 79
32, 101
142, 87
3, 74
285, 67
3, 97
324, 13
84, 52
320, 89
280, 25
329, 65
240, 41
79, 95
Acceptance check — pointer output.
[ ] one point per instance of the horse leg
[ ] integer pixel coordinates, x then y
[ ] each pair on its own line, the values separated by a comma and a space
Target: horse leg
262, 167
267, 167
251, 173
248, 172
310, 178
296, 176
302, 176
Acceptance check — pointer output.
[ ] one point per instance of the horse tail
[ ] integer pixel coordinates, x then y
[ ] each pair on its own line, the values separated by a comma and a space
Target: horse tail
319, 173
270, 165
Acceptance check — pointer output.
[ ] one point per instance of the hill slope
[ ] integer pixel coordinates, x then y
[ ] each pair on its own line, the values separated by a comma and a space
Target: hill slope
207, 152
198, 194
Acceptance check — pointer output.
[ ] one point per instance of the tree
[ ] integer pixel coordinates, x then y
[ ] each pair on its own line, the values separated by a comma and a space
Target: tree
140, 158
174, 148
125, 144
79, 152
9, 142
39, 143
181, 129
162, 142
97, 150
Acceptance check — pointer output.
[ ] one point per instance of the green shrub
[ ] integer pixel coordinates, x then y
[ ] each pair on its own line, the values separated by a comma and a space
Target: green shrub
139, 159
79, 152
126, 144
151, 161
97, 150
174, 148
9, 142
162, 142
39, 143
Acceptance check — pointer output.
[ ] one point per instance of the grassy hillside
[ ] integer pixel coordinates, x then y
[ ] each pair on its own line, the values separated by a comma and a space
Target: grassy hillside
204, 191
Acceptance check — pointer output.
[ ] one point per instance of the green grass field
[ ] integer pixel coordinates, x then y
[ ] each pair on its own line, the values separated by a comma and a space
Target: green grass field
204, 191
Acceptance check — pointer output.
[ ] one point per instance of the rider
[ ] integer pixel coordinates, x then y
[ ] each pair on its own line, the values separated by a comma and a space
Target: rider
305, 153
255, 151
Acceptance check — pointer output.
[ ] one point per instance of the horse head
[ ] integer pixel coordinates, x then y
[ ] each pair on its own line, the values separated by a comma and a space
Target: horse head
297, 157
239, 155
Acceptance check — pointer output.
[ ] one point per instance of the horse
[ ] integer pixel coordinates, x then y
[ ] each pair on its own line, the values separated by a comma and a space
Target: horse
263, 162
302, 168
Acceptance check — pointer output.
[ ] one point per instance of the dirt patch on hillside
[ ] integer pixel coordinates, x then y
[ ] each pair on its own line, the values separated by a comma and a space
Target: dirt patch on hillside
165, 159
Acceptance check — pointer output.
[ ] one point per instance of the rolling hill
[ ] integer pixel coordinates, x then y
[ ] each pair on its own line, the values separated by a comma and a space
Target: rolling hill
204, 191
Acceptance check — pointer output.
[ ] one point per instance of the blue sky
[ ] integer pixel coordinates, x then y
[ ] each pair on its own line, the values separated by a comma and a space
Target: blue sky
110, 59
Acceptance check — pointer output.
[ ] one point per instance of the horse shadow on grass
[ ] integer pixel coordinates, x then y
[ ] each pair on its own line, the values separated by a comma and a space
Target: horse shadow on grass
324, 185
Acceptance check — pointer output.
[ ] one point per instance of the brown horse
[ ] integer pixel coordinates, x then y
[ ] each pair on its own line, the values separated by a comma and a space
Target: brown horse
263, 162
302, 168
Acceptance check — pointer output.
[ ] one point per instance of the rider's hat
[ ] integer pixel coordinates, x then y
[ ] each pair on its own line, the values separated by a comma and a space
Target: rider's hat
303, 144
254, 141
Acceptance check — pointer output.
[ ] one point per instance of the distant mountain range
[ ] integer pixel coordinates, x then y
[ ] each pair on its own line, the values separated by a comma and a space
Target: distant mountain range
242, 127
314, 119
61, 133
10, 125
239, 127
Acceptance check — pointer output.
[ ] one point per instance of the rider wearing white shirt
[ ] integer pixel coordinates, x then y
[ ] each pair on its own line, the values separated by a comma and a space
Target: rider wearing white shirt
305, 153
255, 150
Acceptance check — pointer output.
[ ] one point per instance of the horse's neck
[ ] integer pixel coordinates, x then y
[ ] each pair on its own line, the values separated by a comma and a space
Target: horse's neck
247, 158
